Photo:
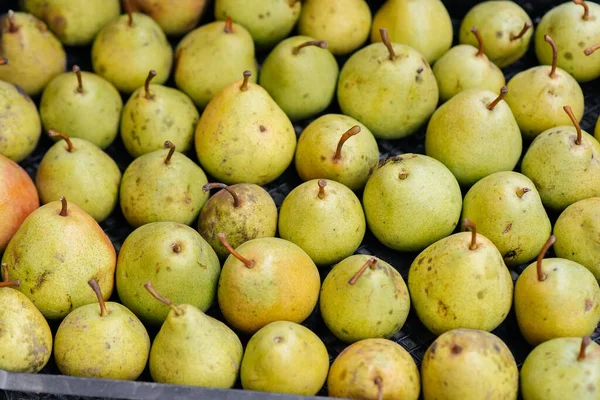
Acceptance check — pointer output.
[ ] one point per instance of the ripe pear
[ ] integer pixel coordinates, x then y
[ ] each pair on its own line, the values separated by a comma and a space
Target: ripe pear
163, 185
471, 365
564, 368
225, 48
344, 25
36, 56
82, 105
285, 357
465, 67
339, 148
536, 97
564, 164
411, 201
388, 87
110, 344
301, 75
574, 25
474, 134
194, 349
325, 219
505, 28
424, 25
556, 298
461, 282
374, 369
266, 280
243, 212
25, 337
175, 17
57, 249
243, 136
509, 212
364, 297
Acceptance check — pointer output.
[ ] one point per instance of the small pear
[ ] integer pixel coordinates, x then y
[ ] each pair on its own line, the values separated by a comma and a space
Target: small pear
175, 17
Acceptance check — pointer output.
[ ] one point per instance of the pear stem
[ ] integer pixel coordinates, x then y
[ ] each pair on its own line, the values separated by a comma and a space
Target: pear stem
521, 191
586, 12
77, 71
236, 199
96, 287
386, 40
503, 93
162, 299
322, 183
569, 112
548, 39
223, 239
3, 61
171, 147
527, 26
176, 247
244, 86
585, 342
12, 26
371, 263
64, 137
540, 273
127, 6
470, 225
319, 43
63, 211
588, 52
477, 34
379, 383
7, 282
355, 130
228, 25
151, 76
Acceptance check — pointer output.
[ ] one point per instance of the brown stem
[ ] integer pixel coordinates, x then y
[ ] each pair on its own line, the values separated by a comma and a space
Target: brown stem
527, 26
585, 342
6, 282
386, 40
128, 10
77, 71
588, 52
379, 383
355, 130
322, 183
521, 191
236, 199
244, 86
371, 263
162, 299
96, 287
171, 147
228, 25
503, 93
548, 39
3, 61
569, 112
319, 43
223, 239
477, 34
586, 12
63, 211
64, 137
470, 225
540, 273
12, 25
176, 247
151, 76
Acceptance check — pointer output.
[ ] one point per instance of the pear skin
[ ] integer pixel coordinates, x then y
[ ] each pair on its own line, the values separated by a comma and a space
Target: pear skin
175, 17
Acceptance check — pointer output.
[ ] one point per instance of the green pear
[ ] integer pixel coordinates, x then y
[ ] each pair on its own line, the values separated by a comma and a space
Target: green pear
174, 256
285, 357
163, 185
243, 136
412, 201
564, 164
25, 337
597, 132
344, 25
243, 212
474, 134
175, 17
110, 344
226, 49
556, 298
388, 87
364, 297
424, 25
374, 369
461, 282
36, 56
325, 219
505, 28
57, 249
301, 76
468, 364
510, 213
194, 349
339, 148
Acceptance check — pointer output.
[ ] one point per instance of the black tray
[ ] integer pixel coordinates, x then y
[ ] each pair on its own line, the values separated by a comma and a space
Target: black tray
414, 337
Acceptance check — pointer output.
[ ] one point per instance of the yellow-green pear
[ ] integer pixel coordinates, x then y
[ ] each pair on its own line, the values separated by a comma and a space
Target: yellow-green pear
175, 17
597, 132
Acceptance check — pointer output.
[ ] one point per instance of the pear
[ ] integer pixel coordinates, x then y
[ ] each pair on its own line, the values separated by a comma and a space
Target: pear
339, 148
563, 368
325, 219
574, 26
364, 297
194, 349
471, 365
505, 28
36, 56
57, 249
243, 136
154, 114
344, 25
461, 282
388, 87
412, 201
424, 25
374, 369
537, 95
285, 357
597, 132
509, 212
175, 17
243, 212
564, 164
225, 48
465, 67
163, 185
474, 134
266, 280
18, 197
110, 344
25, 338
82, 105
576, 231
268, 21
75, 22
301, 75
556, 298
83, 173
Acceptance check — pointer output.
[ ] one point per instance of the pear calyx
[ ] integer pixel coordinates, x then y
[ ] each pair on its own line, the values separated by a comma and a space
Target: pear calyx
3, 61
548, 39
355, 130
236, 198
521, 191
585, 342
12, 25
386, 40
7, 282
178, 311
244, 85
322, 183
371, 263
228, 25
402, 175
176, 248
223, 239
77, 71
171, 147
53, 133
540, 273
63, 210
151, 75
588, 52
477, 34
470, 225
586, 10
379, 383
501, 96
527, 26
96, 288
318, 43
569, 112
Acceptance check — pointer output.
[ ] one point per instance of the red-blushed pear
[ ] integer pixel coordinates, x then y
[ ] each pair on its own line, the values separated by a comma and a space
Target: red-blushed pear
175, 17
